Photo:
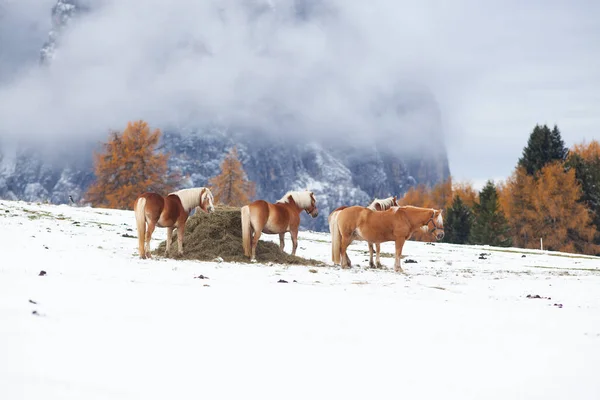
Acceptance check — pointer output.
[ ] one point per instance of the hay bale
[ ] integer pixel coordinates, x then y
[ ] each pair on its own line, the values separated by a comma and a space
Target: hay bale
219, 234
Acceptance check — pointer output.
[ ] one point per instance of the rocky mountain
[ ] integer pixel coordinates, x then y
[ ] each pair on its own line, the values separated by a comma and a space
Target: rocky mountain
62, 13
339, 173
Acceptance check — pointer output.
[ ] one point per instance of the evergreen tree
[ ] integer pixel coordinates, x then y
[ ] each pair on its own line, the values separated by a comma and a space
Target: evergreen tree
231, 186
490, 225
458, 221
544, 146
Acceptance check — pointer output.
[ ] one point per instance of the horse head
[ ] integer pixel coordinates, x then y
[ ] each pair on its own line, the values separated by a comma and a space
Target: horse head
435, 224
312, 209
206, 201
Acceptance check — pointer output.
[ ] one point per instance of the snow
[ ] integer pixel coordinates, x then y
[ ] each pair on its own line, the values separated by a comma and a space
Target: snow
111, 326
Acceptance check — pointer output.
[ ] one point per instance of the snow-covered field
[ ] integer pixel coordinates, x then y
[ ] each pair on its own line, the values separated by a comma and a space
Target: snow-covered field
102, 324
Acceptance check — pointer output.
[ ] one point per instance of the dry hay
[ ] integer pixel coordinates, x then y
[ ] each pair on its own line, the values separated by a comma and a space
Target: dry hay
219, 234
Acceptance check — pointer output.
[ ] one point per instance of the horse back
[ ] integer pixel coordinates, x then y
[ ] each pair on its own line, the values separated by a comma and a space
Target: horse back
164, 211
273, 217
348, 218
154, 202
388, 225
339, 209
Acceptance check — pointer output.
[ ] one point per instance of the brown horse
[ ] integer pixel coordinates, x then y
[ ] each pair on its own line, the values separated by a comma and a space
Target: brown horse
376, 205
168, 212
396, 224
275, 218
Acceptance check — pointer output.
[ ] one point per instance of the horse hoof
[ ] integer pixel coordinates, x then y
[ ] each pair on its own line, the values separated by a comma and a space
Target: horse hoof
253, 260
372, 265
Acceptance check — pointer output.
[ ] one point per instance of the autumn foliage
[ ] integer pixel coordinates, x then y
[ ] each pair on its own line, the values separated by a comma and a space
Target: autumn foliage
546, 206
128, 166
438, 196
231, 186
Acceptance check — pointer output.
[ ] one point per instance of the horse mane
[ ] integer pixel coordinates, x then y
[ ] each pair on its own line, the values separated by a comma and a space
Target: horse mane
384, 203
190, 198
302, 199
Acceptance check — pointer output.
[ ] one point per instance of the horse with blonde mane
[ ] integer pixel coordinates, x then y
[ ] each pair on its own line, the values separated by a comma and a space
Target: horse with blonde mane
152, 210
376, 205
283, 216
396, 224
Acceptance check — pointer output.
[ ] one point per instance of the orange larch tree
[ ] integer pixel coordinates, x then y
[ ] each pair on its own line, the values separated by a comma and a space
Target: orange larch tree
441, 194
128, 167
516, 199
419, 196
584, 159
559, 218
466, 192
546, 206
231, 186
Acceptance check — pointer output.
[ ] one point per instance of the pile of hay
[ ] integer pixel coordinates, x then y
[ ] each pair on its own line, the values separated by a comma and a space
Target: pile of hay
219, 234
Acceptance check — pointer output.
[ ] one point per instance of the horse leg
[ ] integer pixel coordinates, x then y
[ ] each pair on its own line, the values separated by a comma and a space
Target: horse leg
281, 241
377, 261
255, 239
294, 234
399, 245
346, 240
371, 264
169, 240
348, 261
151, 226
180, 230
142, 242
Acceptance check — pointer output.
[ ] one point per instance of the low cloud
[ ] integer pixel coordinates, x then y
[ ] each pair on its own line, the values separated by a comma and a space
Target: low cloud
482, 72
312, 68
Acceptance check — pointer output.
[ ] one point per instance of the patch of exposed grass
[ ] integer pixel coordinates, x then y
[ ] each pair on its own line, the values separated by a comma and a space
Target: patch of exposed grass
564, 268
588, 257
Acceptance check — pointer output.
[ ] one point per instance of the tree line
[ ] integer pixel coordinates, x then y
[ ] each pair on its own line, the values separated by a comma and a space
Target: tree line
553, 193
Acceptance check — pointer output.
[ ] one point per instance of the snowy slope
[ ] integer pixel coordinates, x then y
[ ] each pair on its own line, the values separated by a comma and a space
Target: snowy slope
110, 326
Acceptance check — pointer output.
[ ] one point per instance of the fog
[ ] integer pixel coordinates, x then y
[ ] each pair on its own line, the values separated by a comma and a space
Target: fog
479, 75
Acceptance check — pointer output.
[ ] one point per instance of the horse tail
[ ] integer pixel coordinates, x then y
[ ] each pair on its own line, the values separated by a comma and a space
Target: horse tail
246, 231
140, 221
336, 240
332, 221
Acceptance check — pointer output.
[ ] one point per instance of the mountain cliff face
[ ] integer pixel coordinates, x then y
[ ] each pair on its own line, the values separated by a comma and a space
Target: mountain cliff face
63, 12
338, 173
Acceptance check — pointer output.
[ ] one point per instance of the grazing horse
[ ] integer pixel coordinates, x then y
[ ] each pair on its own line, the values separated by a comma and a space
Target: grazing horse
376, 205
275, 218
168, 212
396, 224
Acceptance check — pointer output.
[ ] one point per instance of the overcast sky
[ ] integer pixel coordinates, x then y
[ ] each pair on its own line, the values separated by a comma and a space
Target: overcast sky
495, 68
